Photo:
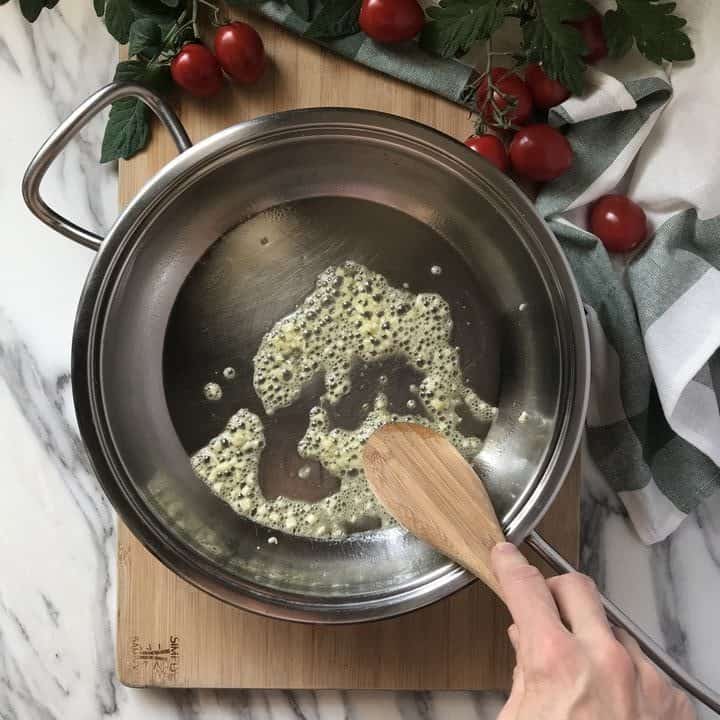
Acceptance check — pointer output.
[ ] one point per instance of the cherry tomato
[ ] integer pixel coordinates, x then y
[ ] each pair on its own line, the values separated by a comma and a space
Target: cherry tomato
511, 86
591, 29
540, 153
545, 91
619, 222
491, 148
391, 21
240, 51
196, 70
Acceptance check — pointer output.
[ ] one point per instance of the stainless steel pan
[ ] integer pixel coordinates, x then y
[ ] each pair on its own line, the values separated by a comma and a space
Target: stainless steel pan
170, 301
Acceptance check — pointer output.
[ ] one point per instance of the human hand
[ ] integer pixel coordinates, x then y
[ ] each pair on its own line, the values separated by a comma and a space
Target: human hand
571, 665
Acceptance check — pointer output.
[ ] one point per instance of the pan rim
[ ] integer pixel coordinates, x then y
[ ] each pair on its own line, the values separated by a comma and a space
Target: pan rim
87, 390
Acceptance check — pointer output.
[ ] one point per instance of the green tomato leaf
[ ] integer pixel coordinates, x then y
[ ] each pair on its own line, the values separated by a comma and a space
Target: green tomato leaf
163, 16
456, 25
337, 18
654, 28
301, 8
99, 6
152, 9
130, 71
145, 36
158, 78
549, 40
617, 33
118, 18
31, 9
128, 128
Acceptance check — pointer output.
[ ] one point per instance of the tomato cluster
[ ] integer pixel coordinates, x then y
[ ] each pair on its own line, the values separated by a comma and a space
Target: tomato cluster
239, 53
507, 103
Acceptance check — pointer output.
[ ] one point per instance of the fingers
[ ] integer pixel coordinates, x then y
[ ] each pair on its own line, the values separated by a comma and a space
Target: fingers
632, 648
656, 687
511, 711
525, 593
652, 679
578, 601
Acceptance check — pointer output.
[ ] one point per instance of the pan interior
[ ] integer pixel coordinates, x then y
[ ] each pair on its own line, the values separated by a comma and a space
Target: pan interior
238, 250
259, 272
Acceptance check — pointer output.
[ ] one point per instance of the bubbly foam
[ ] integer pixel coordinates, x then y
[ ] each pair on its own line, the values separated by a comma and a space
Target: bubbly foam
212, 391
355, 314
352, 315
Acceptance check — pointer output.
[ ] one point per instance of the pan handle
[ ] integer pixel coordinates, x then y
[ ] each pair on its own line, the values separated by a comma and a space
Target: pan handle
617, 617
55, 144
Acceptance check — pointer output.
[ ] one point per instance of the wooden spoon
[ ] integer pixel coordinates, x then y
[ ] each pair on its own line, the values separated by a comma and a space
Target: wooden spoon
430, 489
426, 484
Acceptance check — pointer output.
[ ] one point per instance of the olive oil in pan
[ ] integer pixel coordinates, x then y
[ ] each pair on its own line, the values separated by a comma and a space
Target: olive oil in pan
353, 315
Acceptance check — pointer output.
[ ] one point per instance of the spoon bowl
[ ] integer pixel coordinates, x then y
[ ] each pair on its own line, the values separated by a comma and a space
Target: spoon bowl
430, 489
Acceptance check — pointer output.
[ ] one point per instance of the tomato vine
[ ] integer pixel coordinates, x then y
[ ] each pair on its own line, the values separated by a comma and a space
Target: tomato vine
554, 36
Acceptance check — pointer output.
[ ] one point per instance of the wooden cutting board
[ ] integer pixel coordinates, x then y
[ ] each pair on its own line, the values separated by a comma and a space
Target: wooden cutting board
170, 634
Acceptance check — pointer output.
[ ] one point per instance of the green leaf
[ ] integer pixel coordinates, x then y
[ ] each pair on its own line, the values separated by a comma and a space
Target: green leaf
158, 78
31, 9
145, 35
128, 128
337, 18
170, 3
118, 18
549, 40
301, 8
654, 28
152, 9
456, 25
617, 33
130, 71
99, 6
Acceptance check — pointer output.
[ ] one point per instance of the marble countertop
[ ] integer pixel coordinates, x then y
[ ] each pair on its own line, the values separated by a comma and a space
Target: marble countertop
57, 531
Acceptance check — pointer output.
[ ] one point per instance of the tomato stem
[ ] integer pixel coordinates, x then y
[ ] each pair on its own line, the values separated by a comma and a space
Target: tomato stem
196, 32
501, 116
216, 19
175, 29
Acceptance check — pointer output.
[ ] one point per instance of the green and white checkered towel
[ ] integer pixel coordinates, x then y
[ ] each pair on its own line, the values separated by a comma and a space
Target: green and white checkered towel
653, 427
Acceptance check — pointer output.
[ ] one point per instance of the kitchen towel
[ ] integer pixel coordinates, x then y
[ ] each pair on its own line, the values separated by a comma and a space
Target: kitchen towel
653, 426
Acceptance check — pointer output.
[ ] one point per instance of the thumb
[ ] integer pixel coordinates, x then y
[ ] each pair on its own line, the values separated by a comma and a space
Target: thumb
525, 593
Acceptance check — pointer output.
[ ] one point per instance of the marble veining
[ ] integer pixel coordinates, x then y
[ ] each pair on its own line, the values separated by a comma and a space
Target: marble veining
57, 531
